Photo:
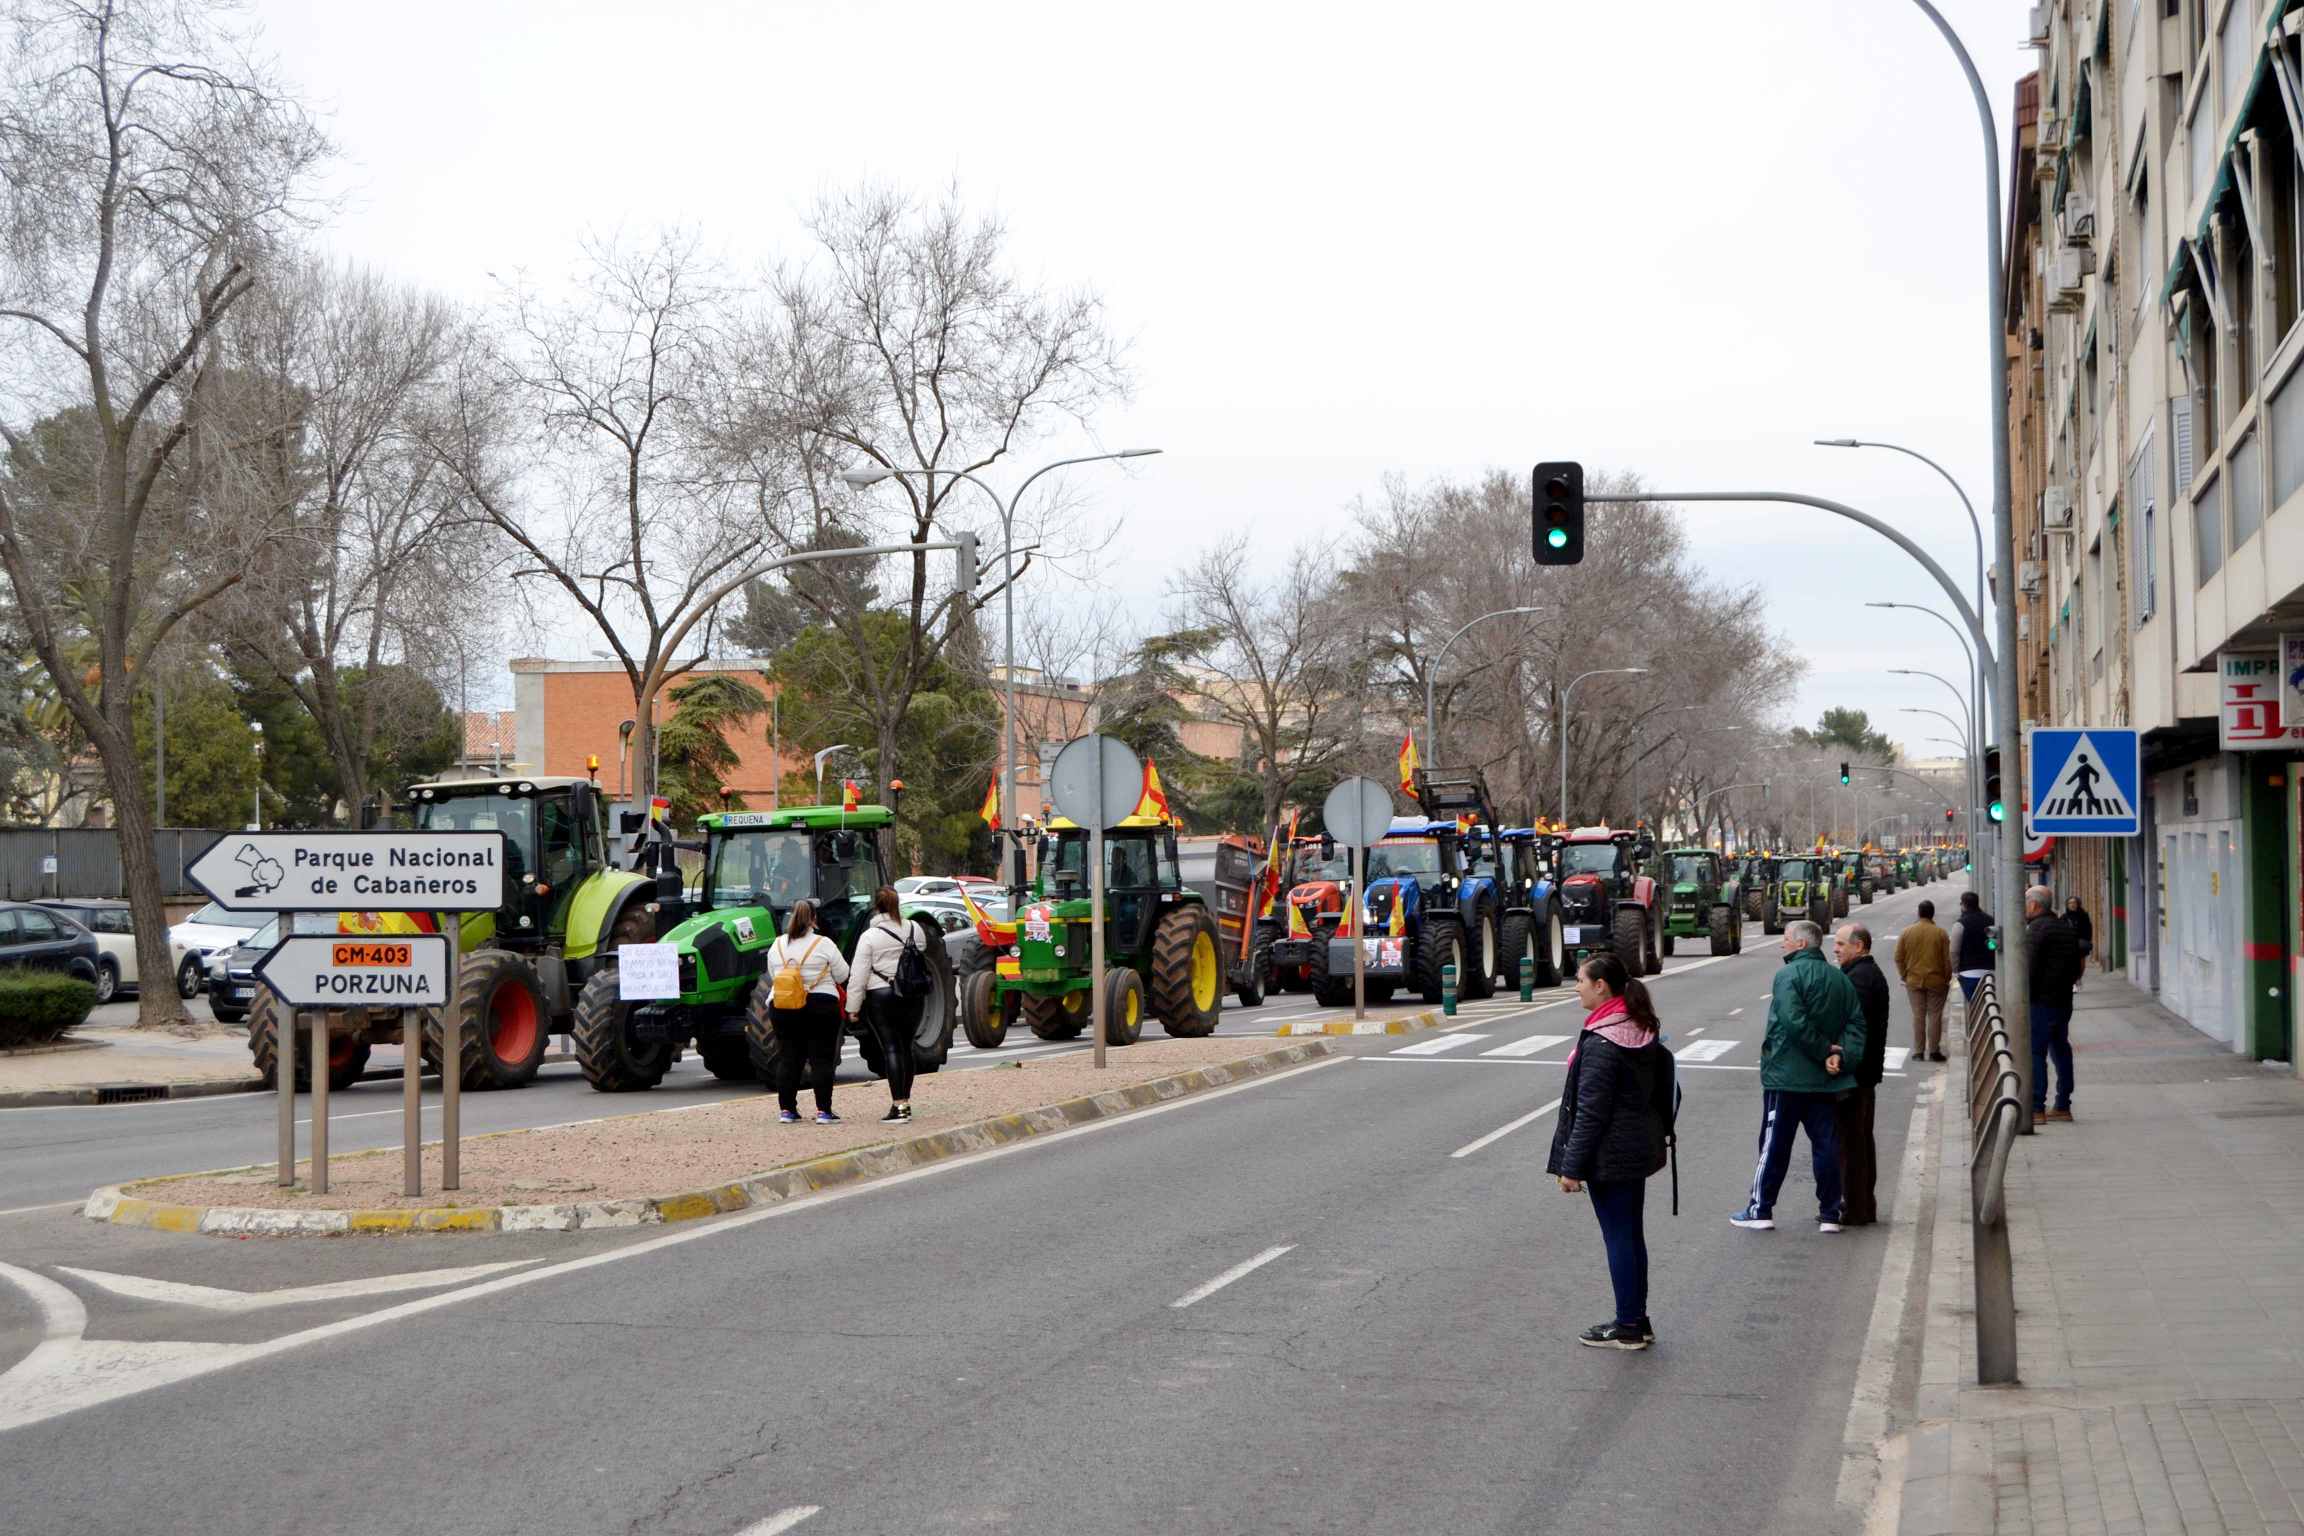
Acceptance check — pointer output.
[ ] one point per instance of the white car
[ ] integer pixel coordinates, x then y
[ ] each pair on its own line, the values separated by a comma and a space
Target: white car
204, 934
115, 935
919, 887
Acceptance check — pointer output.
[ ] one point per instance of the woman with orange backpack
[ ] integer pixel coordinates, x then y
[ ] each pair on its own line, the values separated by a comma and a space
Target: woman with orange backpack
805, 973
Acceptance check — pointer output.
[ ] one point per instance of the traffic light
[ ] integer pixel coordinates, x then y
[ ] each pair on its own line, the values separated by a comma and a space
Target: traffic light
964, 563
1994, 806
1559, 514
1949, 813
1843, 775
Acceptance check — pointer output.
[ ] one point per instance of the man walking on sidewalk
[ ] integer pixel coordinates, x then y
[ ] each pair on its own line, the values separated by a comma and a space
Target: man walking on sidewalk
1859, 1162
1973, 950
1924, 963
2055, 969
1813, 1013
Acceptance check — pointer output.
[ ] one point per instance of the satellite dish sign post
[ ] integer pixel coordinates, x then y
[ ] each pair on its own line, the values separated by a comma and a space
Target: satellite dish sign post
395, 872
1094, 782
1357, 813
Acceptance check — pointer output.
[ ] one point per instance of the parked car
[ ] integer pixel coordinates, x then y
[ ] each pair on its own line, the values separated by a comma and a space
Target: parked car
115, 931
49, 941
232, 979
201, 936
949, 915
917, 887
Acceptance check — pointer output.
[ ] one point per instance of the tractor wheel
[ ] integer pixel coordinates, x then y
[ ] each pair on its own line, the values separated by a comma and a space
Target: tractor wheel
1727, 930
1630, 939
505, 1025
1840, 902
932, 1033
1518, 943
726, 1057
1379, 993
1864, 894
613, 1062
1327, 990
1187, 975
1060, 1017
985, 1011
347, 1054
1251, 991
1754, 908
1123, 1007
1654, 961
1487, 956
1441, 945
1552, 959
1772, 920
1668, 937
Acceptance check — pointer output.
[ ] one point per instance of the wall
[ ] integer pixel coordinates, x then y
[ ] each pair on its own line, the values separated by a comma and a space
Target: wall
2202, 898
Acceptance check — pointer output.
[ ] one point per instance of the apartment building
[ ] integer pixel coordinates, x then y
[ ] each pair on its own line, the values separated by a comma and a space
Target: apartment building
2156, 281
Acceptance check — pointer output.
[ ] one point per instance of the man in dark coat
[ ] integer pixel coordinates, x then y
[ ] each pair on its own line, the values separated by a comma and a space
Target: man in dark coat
1859, 1162
2056, 964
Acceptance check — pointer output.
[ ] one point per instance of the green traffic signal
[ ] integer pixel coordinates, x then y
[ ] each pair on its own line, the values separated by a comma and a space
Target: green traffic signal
1557, 538
1997, 811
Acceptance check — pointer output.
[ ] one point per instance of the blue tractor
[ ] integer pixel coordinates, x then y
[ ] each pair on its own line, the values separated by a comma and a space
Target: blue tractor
1428, 902
1528, 864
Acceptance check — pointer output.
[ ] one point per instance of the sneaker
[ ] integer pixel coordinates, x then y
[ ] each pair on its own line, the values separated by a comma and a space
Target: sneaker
1752, 1223
1938, 1056
1615, 1336
788, 1116
897, 1114
1830, 1226
826, 1117
1648, 1330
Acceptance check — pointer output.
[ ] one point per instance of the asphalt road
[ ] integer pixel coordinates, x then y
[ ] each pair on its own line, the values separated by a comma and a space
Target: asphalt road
1289, 1307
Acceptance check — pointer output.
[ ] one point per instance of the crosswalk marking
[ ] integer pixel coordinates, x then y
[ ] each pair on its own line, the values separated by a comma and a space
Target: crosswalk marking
1706, 1050
1527, 1047
1897, 1056
1437, 1044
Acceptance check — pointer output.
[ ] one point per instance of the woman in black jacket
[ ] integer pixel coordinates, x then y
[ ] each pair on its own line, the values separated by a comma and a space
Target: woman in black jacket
1615, 1126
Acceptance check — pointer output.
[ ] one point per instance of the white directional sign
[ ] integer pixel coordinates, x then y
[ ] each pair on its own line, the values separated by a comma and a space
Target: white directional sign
405, 970
362, 871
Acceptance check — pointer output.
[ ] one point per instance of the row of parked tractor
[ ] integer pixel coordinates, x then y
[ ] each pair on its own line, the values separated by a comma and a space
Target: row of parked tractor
1449, 888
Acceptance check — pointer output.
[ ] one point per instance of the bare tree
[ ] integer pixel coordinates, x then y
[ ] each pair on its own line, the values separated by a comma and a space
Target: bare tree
150, 169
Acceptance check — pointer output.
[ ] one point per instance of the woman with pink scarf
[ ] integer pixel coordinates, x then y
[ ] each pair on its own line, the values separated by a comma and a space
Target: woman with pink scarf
1614, 1133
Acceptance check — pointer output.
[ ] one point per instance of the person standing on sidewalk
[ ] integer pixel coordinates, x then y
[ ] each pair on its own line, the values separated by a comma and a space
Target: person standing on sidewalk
2083, 929
2055, 971
1614, 1131
807, 1036
1924, 964
893, 1019
1859, 1161
1813, 1013
1973, 951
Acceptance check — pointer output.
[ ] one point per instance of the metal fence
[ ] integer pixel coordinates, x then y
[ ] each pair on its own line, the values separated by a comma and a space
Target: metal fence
38, 862
1994, 1115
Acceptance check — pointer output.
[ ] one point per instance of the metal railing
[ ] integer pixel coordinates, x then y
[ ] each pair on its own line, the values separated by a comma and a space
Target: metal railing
1994, 1113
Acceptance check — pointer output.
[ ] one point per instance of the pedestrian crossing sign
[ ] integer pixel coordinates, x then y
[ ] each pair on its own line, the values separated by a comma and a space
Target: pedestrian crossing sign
2084, 783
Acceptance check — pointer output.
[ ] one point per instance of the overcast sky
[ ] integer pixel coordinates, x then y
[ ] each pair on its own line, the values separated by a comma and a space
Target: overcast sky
1680, 237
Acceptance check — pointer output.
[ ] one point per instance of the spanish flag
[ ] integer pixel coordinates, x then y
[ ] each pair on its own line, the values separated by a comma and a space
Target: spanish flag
1154, 801
851, 794
1398, 924
1296, 928
1408, 764
991, 811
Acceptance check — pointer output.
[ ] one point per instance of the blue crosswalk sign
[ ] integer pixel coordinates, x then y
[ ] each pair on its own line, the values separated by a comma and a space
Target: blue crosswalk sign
2084, 783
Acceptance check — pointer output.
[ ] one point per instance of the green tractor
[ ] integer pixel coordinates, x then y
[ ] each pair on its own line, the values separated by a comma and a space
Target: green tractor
757, 865
1704, 901
566, 910
1856, 880
1802, 890
1162, 955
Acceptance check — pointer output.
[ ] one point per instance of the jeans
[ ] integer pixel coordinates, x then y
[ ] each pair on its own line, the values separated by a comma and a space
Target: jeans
1783, 1113
807, 1039
2051, 1040
1859, 1159
892, 1020
1618, 1205
1927, 1019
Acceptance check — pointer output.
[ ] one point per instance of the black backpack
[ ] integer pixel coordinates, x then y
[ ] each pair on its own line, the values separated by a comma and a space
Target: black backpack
913, 979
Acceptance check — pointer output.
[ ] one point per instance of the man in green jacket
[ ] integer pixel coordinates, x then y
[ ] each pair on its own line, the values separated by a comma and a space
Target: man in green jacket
1815, 1038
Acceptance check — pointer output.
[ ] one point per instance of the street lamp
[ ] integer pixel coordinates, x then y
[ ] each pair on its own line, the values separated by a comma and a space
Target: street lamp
1982, 693
1431, 728
1975, 523
873, 474
827, 752
256, 790
1566, 695
1965, 743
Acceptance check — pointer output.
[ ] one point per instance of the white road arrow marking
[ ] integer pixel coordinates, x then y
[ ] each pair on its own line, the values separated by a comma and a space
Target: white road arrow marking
213, 1299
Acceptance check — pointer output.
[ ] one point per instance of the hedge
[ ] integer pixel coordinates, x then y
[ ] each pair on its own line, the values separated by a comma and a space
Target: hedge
38, 1006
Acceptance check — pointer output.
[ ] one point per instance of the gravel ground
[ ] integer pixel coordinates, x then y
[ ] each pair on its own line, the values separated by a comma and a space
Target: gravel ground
666, 1153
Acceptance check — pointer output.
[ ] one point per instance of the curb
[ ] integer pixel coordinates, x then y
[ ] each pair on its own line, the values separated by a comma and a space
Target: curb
148, 1093
111, 1204
1406, 1024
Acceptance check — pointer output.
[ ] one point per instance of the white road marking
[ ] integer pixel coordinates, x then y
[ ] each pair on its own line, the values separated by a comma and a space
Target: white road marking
781, 1521
370, 1114
1767, 997
1527, 1047
1699, 1029
1694, 965
1705, 1050
65, 1373
1437, 1045
1245, 1267
1897, 1056
1734, 1012
213, 1299
1869, 1454
26, 1210
1504, 1130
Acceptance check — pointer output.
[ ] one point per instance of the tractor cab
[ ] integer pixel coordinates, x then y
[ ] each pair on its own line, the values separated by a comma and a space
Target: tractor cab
1611, 861
1413, 865
555, 837
1695, 873
1141, 876
773, 860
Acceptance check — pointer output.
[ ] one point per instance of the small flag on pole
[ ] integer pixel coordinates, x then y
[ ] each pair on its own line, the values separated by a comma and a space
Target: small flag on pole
1154, 801
851, 795
1408, 763
991, 811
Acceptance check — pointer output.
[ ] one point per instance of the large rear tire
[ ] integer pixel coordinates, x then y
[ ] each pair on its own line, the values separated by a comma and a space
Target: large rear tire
1727, 930
1187, 993
347, 1053
612, 1061
1655, 961
1552, 959
1058, 1017
1251, 991
505, 1024
1518, 943
939, 1010
727, 1057
1669, 937
1629, 931
1328, 989
1441, 945
1487, 949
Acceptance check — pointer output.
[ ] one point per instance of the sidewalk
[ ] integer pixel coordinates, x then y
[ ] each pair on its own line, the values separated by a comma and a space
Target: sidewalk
2159, 1255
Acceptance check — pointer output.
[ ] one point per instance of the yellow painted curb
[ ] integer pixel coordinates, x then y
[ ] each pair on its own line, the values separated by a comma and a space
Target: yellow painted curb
1406, 1024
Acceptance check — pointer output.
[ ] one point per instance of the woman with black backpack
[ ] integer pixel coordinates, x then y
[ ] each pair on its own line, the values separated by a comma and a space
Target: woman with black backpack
1616, 1112
875, 997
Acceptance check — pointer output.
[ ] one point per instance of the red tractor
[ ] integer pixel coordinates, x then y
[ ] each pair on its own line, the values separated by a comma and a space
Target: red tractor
1309, 912
1608, 898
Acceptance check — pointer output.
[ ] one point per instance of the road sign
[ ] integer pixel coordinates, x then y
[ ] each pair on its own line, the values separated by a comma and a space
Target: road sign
1357, 812
358, 871
2084, 783
1096, 781
407, 970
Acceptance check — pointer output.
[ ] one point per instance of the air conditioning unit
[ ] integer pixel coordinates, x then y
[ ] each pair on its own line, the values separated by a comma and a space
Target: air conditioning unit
2028, 578
2051, 136
2079, 219
2056, 507
2066, 269
2036, 27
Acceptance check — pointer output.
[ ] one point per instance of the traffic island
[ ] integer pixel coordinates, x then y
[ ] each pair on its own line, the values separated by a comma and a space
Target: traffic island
646, 1169
1401, 1024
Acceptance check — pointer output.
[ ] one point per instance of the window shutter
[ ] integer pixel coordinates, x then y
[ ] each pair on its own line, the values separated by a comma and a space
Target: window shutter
2181, 418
